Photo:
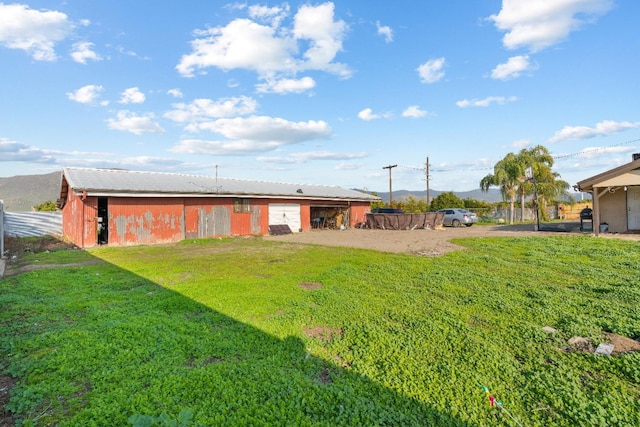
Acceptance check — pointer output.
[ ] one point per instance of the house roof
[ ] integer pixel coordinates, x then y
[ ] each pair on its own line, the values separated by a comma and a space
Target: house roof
125, 183
627, 174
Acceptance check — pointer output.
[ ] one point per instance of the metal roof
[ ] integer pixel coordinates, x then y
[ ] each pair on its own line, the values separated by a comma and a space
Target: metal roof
109, 182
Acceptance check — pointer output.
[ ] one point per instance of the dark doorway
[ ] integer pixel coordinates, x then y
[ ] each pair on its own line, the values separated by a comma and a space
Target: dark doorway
103, 221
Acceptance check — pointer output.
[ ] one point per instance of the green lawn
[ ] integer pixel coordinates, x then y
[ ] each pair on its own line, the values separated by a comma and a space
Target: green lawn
252, 332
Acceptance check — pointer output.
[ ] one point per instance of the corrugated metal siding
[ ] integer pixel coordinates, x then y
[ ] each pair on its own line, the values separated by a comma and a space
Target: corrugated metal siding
73, 221
145, 221
1, 228
90, 215
207, 217
32, 224
256, 219
135, 220
358, 213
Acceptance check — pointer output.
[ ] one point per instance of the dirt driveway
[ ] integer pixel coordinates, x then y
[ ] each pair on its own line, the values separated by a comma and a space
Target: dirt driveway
421, 242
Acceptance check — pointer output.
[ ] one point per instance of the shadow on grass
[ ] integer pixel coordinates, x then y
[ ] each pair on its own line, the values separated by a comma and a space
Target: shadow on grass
96, 345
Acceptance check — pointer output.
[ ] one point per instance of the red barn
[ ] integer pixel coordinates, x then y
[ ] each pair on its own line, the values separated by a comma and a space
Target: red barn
121, 207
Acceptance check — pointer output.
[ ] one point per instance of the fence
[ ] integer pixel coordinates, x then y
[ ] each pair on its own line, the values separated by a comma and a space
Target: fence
31, 224
1, 229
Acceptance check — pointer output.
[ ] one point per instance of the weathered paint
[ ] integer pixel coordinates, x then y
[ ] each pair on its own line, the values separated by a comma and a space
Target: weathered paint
145, 221
256, 220
358, 213
152, 220
79, 223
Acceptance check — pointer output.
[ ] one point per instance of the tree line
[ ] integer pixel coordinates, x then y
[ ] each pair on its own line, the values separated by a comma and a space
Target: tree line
508, 175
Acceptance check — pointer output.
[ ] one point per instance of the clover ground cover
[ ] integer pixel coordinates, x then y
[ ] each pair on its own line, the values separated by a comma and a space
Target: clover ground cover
253, 332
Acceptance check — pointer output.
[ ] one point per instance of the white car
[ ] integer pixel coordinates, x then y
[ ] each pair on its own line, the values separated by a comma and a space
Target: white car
457, 217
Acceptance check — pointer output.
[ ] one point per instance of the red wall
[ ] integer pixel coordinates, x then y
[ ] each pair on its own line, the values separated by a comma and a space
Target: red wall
135, 221
79, 220
141, 220
359, 211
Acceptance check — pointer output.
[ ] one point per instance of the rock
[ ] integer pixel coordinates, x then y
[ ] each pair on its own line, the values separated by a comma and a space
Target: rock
580, 343
549, 329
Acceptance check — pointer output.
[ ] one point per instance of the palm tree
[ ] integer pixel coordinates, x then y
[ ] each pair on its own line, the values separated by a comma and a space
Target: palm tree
505, 175
549, 184
508, 174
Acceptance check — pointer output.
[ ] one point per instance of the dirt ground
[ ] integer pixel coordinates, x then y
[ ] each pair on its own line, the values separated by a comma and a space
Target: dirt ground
428, 242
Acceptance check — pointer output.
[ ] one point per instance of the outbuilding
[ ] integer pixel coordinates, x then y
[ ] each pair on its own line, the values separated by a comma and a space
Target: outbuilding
121, 207
616, 198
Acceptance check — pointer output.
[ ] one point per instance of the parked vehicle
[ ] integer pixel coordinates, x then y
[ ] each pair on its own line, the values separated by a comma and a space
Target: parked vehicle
457, 217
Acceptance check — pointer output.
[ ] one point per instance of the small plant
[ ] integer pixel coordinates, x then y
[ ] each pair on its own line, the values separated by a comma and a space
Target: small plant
231, 332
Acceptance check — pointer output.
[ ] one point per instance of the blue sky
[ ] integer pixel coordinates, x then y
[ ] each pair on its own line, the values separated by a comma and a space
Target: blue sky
319, 93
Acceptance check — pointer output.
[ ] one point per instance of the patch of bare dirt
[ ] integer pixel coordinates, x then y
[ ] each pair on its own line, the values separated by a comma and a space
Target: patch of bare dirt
622, 344
419, 242
15, 246
322, 333
310, 286
13, 271
6, 384
325, 376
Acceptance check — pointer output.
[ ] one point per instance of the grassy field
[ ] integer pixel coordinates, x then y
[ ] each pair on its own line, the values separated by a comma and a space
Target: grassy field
252, 332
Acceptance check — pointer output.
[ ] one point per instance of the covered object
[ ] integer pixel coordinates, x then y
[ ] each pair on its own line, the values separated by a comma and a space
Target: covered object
121, 207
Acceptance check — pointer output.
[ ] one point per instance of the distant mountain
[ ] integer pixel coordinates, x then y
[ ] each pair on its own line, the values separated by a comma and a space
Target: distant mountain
21, 193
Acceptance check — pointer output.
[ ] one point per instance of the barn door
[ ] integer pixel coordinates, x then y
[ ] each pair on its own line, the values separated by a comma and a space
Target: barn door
633, 208
285, 213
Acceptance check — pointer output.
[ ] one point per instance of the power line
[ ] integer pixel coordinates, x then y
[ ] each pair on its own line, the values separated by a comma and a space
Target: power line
594, 150
488, 168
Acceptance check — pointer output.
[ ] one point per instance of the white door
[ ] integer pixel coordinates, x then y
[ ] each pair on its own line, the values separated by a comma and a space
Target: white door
285, 213
633, 208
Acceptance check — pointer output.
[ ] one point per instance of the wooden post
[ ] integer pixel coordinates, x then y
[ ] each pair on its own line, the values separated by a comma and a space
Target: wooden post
390, 188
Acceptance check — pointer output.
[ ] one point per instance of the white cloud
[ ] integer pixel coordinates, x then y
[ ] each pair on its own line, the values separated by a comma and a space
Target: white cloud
605, 127
132, 96
414, 111
486, 101
255, 134
317, 27
82, 51
176, 93
304, 157
268, 129
12, 151
134, 123
131, 53
283, 86
538, 24
431, 71
513, 68
273, 49
205, 109
385, 31
272, 15
34, 31
86, 94
367, 115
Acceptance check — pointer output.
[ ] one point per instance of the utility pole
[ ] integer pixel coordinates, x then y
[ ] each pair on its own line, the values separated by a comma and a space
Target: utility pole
427, 169
390, 189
